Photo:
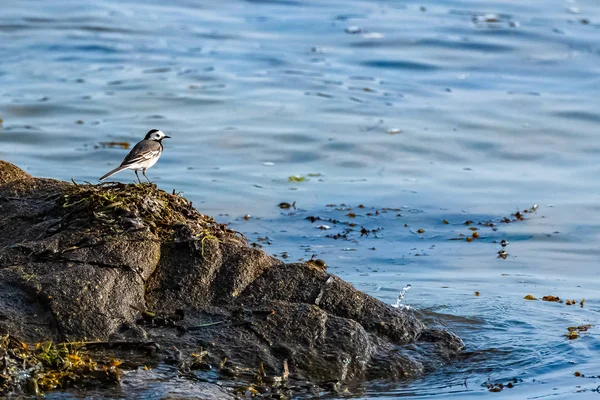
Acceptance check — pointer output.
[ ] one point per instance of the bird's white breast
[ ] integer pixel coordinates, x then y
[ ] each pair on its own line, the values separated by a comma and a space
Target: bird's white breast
145, 164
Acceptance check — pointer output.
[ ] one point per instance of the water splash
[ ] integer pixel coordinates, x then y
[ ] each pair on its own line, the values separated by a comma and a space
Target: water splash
398, 303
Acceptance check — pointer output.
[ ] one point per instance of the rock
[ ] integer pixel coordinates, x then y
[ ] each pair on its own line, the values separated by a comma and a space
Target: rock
120, 263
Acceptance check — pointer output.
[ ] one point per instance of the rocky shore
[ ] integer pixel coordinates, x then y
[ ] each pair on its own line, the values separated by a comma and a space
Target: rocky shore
130, 275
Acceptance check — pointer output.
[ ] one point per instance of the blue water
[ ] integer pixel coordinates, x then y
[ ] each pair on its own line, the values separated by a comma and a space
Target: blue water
455, 110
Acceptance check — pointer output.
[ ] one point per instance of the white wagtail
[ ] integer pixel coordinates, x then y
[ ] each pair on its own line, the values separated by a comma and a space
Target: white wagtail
143, 155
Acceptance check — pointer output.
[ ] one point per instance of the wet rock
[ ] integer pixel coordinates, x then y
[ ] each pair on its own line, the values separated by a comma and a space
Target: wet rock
75, 268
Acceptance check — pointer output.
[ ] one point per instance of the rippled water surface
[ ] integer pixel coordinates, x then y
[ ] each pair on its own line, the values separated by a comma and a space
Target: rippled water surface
420, 111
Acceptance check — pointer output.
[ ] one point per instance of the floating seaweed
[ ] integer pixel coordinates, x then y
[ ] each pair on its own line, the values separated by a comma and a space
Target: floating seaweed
112, 145
580, 328
286, 206
551, 298
296, 178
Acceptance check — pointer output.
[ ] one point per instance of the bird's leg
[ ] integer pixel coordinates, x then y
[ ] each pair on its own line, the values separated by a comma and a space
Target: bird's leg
144, 172
136, 174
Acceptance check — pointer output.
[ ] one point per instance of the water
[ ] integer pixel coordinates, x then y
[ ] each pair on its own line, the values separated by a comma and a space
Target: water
398, 303
444, 110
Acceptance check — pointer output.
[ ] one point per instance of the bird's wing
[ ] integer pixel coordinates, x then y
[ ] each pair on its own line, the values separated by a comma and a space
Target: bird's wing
143, 151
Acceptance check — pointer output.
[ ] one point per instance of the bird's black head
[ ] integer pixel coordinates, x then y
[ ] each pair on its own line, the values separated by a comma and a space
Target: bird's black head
156, 134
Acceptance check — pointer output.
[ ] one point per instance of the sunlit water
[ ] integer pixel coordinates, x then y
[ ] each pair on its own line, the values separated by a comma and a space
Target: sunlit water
435, 110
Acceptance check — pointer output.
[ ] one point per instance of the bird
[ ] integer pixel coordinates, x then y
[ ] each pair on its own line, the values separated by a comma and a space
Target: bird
143, 155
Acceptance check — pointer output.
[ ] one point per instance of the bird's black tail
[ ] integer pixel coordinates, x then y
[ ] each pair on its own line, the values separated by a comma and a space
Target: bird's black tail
114, 171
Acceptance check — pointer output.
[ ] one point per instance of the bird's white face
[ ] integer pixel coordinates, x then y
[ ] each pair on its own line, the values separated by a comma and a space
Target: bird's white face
155, 134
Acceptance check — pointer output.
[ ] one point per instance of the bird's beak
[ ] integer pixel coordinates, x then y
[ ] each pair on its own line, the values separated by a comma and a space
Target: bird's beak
167, 137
